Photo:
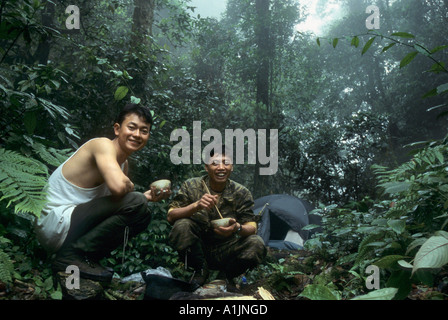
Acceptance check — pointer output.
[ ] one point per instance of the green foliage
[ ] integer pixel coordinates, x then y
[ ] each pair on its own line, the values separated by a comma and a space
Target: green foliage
403, 234
22, 181
320, 292
380, 294
150, 249
433, 254
331, 159
334, 119
421, 185
6, 265
21, 265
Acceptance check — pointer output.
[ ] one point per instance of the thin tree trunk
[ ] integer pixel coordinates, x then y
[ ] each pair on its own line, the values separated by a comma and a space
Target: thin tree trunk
264, 58
143, 20
262, 33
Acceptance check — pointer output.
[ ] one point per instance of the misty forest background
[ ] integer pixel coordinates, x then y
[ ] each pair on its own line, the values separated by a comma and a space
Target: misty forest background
361, 114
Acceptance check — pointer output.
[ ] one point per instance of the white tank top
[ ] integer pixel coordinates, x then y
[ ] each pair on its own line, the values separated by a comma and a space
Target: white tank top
62, 197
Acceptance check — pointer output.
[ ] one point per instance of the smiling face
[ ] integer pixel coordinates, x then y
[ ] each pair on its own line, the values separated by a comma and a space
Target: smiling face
219, 169
132, 134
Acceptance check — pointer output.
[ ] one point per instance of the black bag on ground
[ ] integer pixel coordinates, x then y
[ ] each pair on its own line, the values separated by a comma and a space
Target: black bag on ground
163, 288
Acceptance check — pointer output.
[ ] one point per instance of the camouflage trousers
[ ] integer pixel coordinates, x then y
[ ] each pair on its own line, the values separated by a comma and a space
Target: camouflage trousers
234, 255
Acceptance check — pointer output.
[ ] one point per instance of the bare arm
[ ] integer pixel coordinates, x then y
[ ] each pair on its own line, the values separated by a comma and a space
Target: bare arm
105, 157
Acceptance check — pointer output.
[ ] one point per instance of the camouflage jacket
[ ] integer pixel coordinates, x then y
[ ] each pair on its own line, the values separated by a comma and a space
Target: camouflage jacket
235, 201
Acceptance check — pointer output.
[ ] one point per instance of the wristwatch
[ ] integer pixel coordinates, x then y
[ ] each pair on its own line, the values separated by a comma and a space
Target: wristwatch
239, 229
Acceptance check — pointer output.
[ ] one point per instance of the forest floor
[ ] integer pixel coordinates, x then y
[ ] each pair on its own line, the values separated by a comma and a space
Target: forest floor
293, 271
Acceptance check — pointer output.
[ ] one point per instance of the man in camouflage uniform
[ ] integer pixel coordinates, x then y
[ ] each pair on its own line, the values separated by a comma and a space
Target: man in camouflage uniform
232, 249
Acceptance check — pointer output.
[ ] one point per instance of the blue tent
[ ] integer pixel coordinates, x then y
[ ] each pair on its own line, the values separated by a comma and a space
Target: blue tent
282, 219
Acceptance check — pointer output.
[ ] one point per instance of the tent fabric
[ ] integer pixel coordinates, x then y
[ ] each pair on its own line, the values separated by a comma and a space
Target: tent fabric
284, 245
281, 213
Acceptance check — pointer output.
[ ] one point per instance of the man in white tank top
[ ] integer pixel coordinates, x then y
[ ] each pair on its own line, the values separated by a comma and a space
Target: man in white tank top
91, 201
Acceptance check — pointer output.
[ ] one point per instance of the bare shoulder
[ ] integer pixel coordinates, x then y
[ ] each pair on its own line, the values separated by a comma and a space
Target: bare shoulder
100, 142
83, 168
93, 149
100, 145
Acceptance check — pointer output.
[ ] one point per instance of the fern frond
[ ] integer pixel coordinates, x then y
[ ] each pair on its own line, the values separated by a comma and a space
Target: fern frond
50, 155
364, 250
22, 181
6, 267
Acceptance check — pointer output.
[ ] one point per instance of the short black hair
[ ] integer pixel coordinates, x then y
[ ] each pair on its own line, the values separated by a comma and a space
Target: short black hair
220, 150
138, 109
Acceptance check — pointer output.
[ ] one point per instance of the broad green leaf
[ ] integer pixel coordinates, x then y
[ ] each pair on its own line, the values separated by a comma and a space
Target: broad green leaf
400, 279
318, 41
421, 49
405, 265
135, 100
368, 45
318, 292
376, 244
388, 261
48, 284
442, 88
432, 254
438, 67
310, 227
335, 42
101, 60
342, 231
355, 42
366, 229
426, 276
403, 35
436, 49
409, 57
440, 156
57, 295
414, 244
381, 294
441, 233
430, 93
388, 47
120, 93
398, 226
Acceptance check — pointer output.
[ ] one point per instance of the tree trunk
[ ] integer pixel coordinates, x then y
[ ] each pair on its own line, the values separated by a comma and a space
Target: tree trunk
143, 19
43, 49
262, 34
264, 58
